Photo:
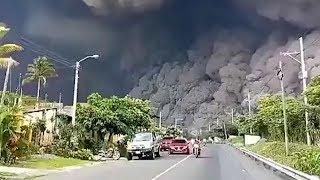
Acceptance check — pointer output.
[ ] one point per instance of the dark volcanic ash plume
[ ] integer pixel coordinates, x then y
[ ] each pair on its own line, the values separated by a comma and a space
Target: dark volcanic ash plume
218, 74
192, 59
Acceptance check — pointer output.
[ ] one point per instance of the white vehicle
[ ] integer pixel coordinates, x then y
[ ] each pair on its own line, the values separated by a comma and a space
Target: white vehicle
144, 145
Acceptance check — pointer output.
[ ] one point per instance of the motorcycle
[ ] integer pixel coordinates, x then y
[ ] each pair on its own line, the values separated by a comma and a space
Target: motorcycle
196, 150
113, 153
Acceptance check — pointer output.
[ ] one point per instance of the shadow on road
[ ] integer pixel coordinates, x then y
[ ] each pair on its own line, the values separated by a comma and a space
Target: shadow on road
205, 157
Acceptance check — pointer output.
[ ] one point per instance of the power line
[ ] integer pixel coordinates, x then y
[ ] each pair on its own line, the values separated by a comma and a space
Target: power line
44, 49
47, 53
50, 57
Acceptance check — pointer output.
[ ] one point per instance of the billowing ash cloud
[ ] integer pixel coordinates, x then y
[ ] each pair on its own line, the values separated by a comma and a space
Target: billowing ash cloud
192, 59
304, 13
104, 7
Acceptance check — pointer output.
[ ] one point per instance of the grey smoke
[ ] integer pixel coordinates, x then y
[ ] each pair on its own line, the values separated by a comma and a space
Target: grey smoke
105, 7
304, 13
208, 84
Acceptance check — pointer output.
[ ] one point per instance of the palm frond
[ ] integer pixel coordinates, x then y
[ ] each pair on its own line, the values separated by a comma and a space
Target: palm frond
5, 61
42, 69
7, 50
3, 30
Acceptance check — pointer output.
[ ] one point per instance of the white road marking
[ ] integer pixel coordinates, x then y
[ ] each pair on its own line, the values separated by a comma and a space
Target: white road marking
170, 168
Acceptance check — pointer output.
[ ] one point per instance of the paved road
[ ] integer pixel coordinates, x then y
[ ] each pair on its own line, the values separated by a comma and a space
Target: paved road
218, 162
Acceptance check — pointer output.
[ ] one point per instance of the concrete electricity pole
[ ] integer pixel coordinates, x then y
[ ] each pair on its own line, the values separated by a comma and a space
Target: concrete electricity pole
160, 119
75, 90
280, 76
249, 109
5, 82
249, 103
60, 98
60, 101
304, 81
225, 131
231, 114
176, 122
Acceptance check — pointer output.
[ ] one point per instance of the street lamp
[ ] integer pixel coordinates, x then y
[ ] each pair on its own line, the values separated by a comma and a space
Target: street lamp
75, 92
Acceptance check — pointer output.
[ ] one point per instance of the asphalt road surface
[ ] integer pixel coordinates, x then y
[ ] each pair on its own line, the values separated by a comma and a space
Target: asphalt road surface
217, 162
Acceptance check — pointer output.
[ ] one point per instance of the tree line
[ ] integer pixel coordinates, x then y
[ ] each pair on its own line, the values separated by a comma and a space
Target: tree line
267, 121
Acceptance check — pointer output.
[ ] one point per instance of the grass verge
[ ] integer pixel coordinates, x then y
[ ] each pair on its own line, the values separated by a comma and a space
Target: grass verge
301, 157
56, 163
237, 141
7, 175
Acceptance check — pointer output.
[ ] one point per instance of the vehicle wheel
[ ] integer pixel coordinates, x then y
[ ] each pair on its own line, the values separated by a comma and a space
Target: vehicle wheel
129, 156
188, 151
139, 157
116, 155
109, 153
158, 153
152, 155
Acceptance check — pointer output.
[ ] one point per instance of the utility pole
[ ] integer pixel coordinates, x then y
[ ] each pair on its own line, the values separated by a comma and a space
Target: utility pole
60, 101
5, 85
225, 131
160, 116
75, 94
304, 82
209, 127
249, 103
75, 90
19, 84
231, 114
60, 98
10, 81
249, 109
280, 76
176, 122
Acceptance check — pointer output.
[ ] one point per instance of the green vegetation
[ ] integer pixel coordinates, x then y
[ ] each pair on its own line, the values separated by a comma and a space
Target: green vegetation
237, 141
97, 123
6, 61
302, 157
267, 121
55, 163
40, 71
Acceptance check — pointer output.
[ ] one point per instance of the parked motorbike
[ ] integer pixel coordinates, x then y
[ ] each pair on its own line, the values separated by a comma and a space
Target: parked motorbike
113, 153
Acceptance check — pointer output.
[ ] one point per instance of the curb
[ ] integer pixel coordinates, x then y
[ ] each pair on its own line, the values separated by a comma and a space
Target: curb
285, 170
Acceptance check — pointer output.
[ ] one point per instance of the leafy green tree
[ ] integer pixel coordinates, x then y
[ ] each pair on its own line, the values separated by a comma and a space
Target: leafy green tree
40, 71
114, 116
10, 122
313, 95
6, 61
270, 116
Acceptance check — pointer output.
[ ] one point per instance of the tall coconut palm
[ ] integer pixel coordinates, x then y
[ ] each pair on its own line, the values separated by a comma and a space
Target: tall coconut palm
6, 61
39, 71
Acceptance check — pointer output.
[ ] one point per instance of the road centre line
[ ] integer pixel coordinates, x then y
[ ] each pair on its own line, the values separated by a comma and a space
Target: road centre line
170, 168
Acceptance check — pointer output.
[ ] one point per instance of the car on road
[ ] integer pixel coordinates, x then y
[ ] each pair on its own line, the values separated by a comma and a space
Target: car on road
179, 146
144, 144
165, 143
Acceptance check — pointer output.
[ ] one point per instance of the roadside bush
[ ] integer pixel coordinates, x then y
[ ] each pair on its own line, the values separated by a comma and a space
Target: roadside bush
83, 154
308, 160
302, 157
237, 141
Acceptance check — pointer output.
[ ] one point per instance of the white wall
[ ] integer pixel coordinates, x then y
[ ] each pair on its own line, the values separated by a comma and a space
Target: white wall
49, 115
251, 139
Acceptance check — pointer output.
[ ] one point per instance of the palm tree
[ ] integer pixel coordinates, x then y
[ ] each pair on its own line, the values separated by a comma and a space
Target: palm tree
40, 71
6, 61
